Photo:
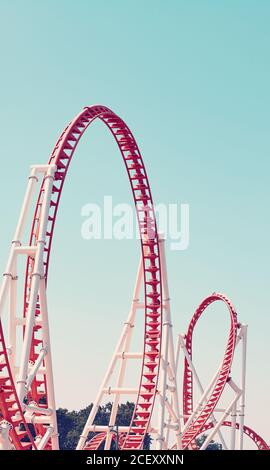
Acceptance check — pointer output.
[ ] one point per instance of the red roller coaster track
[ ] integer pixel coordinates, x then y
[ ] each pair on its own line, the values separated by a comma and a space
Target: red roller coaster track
223, 375
258, 440
29, 392
61, 156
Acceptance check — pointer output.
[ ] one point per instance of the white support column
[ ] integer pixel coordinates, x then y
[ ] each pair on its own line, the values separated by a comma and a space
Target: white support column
174, 391
35, 368
163, 384
243, 386
178, 350
233, 429
36, 277
42, 443
168, 366
48, 362
168, 370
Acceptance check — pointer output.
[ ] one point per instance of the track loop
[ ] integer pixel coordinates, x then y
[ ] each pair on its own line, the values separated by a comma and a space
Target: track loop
61, 157
11, 409
195, 427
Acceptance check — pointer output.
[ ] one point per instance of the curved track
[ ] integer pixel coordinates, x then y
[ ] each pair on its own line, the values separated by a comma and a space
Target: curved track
12, 410
61, 157
259, 441
195, 427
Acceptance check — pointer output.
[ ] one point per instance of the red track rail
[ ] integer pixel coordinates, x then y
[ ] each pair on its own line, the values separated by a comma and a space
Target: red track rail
99, 438
259, 441
195, 427
10, 407
96, 441
9, 404
61, 156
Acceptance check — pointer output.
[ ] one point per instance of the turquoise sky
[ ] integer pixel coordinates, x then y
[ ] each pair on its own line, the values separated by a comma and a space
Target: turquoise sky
191, 79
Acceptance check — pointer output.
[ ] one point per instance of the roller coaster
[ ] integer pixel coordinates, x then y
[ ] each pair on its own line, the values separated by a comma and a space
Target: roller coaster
28, 418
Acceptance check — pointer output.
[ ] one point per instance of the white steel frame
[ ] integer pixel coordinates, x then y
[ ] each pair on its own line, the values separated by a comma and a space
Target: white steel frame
167, 394
169, 419
26, 371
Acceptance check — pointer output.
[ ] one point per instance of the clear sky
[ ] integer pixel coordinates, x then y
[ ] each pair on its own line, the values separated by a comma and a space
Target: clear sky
191, 78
